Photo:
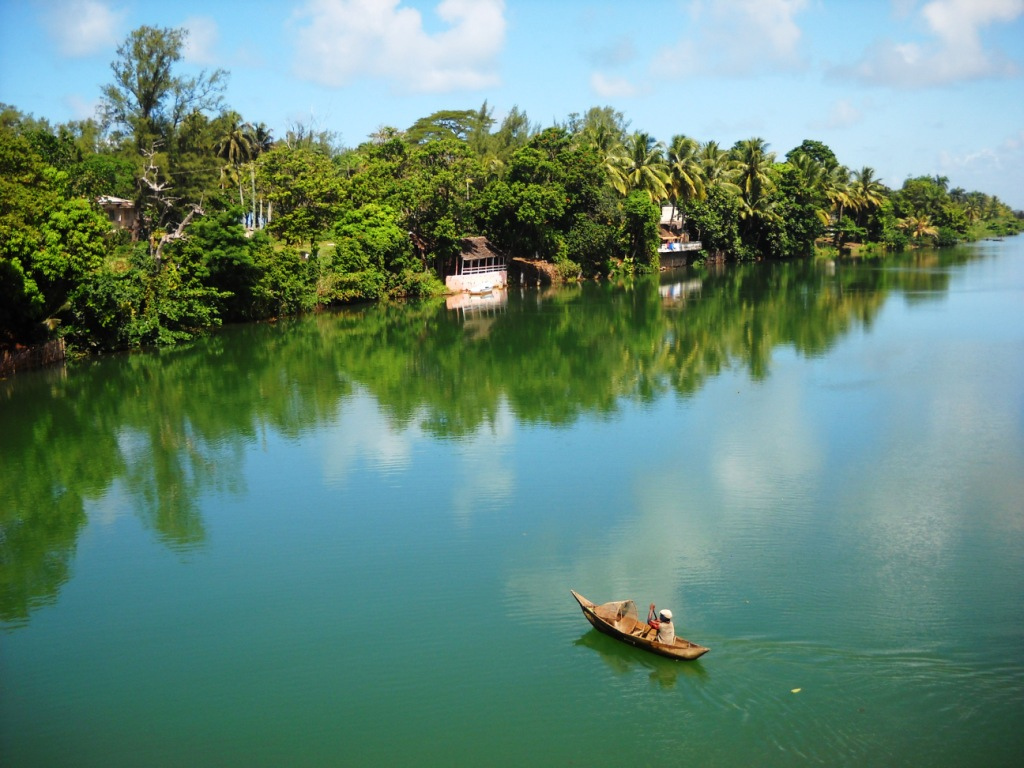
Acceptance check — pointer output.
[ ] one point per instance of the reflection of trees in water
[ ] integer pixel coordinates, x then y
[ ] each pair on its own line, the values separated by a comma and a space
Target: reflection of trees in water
174, 425
46, 475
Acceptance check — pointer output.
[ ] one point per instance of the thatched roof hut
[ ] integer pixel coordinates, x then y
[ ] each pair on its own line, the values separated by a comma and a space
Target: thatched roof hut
478, 265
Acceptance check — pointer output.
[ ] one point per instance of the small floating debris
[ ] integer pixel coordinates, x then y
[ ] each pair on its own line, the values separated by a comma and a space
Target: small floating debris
796, 690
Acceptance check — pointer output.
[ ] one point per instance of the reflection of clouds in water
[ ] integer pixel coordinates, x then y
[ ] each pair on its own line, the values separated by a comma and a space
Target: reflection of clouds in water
113, 505
666, 543
759, 450
929, 487
363, 433
484, 477
764, 450
945, 481
877, 497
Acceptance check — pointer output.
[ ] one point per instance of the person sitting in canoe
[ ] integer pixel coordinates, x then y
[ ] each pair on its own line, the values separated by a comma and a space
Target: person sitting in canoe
662, 624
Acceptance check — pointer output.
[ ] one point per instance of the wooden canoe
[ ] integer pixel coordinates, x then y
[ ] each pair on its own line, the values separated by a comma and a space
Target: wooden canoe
621, 621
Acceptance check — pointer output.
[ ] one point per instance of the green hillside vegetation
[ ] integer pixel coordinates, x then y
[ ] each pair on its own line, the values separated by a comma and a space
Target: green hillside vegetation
234, 224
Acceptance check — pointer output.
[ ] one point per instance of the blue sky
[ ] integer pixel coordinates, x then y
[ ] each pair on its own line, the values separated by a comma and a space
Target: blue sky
908, 87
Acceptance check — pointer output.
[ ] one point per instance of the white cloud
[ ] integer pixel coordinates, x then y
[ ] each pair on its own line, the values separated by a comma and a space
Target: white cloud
993, 170
842, 115
612, 87
339, 40
201, 41
81, 109
364, 434
83, 27
737, 37
952, 51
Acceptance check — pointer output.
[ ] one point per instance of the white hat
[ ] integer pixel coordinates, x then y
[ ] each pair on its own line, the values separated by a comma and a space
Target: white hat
666, 614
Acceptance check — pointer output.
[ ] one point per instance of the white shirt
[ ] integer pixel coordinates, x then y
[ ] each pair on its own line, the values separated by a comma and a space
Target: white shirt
666, 632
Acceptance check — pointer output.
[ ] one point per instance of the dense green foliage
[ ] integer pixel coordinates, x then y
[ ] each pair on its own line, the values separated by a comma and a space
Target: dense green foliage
232, 225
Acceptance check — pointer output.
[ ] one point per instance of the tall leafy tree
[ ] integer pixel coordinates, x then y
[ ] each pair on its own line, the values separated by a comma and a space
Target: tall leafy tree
817, 151
147, 97
305, 190
458, 124
50, 241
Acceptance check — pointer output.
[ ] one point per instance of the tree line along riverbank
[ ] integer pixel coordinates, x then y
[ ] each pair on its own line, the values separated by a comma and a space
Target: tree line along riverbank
169, 213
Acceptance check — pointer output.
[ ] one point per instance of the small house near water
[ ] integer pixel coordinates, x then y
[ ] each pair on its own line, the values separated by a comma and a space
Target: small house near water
675, 240
121, 212
478, 268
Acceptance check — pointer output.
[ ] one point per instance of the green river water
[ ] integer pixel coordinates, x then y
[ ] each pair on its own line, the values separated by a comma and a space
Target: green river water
349, 539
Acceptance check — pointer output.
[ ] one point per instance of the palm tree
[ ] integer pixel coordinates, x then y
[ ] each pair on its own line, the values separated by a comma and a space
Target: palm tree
973, 209
606, 141
717, 166
643, 166
918, 226
235, 148
814, 178
866, 191
751, 174
685, 181
838, 191
260, 138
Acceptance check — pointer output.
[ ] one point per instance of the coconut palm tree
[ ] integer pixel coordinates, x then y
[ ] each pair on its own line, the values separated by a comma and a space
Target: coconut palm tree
973, 209
866, 191
235, 148
918, 226
814, 178
685, 179
838, 191
260, 139
717, 166
606, 141
643, 166
235, 145
752, 174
